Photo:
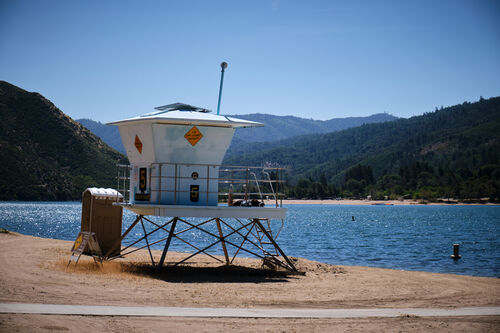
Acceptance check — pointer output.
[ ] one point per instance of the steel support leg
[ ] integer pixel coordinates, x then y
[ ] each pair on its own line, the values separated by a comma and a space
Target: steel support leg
222, 241
167, 244
147, 242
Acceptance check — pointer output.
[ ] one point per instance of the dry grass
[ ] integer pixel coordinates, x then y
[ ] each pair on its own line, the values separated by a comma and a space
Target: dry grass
88, 266
138, 266
197, 272
189, 270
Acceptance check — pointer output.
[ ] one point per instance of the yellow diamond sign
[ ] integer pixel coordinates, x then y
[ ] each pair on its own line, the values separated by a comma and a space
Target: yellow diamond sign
193, 135
78, 242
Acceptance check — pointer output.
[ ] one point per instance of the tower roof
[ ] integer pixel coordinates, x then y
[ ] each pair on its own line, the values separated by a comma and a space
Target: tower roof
185, 114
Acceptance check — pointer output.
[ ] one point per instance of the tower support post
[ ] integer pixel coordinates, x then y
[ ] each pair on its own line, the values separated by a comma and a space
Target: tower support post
167, 244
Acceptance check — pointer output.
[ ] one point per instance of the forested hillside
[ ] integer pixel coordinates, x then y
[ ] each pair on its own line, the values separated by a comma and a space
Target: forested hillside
451, 152
44, 154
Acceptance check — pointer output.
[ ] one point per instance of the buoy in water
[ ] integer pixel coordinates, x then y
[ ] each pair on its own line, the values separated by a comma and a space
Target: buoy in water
353, 217
455, 254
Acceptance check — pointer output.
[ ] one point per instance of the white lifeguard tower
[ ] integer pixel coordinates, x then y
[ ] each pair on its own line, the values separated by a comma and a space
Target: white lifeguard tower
175, 171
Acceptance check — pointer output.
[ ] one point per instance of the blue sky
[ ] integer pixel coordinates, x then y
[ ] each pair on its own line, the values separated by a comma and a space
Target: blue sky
107, 60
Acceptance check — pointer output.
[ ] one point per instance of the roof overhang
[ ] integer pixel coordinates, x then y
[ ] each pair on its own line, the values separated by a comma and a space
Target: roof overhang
189, 118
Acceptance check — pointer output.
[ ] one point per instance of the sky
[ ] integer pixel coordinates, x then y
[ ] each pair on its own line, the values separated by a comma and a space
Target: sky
109, 60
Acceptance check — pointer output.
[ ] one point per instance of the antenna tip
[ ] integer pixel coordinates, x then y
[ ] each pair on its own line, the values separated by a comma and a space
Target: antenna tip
223, 65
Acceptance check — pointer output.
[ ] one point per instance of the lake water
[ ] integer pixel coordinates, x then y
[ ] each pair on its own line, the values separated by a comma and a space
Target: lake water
400, 237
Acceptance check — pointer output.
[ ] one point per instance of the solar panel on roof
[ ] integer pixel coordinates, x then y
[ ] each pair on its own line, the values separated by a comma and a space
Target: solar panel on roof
181, 107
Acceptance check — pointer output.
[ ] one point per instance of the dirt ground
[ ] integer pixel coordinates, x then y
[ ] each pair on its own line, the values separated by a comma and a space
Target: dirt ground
55, 323
33, 270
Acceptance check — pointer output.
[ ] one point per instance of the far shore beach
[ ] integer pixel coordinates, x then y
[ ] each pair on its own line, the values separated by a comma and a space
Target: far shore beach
370, 202
34, 271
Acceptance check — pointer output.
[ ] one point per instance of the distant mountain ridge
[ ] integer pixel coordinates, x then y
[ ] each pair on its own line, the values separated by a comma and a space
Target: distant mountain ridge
276, 127
46, 155
283, 127
108, 133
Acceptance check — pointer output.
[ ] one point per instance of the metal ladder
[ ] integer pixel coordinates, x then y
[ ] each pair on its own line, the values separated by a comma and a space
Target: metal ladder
264, 242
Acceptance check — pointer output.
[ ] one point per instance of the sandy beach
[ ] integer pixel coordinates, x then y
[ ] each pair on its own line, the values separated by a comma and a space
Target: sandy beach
34, 271
348, 202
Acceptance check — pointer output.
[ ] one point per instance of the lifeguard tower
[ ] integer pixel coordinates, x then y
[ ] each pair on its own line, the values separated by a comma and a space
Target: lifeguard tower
175, 172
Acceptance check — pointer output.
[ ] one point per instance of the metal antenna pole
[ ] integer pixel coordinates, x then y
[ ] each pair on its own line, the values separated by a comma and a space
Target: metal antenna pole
223, 65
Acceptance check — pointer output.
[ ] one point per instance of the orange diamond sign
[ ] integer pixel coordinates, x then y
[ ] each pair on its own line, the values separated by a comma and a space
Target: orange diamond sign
138, 144
193, 135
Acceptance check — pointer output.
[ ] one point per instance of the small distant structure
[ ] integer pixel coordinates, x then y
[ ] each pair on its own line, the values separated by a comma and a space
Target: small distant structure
456, 250
175, 173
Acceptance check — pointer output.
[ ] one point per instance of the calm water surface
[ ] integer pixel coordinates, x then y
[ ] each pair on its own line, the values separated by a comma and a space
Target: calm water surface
399, 237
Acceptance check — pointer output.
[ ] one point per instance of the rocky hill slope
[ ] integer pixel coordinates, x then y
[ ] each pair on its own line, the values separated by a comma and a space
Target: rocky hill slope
45, 155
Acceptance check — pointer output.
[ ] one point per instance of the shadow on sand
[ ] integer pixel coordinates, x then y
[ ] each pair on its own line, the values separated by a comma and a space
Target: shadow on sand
225, 274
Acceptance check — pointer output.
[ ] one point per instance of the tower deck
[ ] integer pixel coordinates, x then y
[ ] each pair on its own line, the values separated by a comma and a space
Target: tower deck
205, 211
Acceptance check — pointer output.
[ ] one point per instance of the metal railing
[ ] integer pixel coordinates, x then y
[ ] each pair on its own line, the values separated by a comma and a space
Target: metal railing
236, 185
176, 175
123, 181
248, 185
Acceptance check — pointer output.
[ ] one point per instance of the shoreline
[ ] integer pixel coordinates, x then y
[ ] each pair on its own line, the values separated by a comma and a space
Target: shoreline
343, 202
178, 254
349, 202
